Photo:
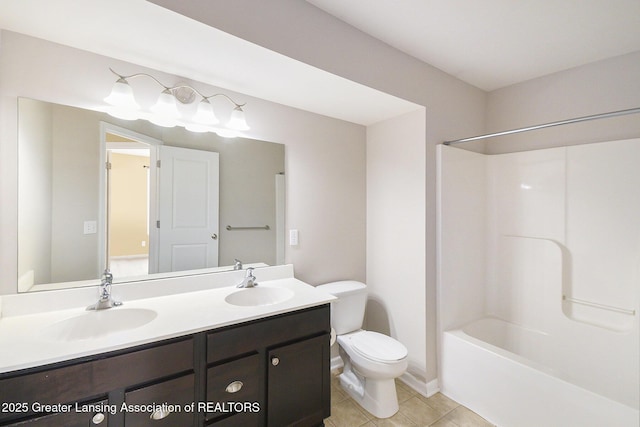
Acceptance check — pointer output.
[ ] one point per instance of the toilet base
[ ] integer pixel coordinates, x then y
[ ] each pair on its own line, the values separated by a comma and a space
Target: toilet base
378, 397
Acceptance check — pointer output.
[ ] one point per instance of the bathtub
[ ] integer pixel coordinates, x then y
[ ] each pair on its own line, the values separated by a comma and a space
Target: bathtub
518, 377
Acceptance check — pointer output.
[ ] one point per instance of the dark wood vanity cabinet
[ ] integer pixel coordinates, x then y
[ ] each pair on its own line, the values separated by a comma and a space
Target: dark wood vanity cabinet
269, 372
285, 372
91, 391
66, 419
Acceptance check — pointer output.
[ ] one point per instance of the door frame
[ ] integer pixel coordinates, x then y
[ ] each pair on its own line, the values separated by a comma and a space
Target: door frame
153, 188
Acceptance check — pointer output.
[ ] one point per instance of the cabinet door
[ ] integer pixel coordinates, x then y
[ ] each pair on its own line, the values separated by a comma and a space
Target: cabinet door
71, 418
161, 404
299, 383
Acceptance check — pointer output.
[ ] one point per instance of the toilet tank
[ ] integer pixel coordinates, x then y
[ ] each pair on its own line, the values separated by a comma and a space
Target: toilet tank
347, 313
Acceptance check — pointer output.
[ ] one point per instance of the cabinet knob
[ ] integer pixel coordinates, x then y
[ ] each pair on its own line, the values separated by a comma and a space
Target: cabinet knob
275, 361
160, 414
98, 418
234, 387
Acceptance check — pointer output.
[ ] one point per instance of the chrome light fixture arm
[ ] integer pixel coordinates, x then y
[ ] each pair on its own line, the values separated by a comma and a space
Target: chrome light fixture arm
124, 106
172, 89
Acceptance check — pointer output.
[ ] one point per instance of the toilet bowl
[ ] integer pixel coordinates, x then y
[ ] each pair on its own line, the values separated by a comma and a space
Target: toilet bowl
371, 360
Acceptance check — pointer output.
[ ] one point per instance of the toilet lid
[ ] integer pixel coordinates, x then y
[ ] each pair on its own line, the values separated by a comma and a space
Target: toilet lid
378, 347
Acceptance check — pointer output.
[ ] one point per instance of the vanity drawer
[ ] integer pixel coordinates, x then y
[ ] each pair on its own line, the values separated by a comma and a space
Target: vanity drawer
235, 383
68, 419
244, 419
162, 404
248, 337
97, 377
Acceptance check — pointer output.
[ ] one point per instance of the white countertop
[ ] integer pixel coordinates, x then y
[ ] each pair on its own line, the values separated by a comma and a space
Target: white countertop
24, 342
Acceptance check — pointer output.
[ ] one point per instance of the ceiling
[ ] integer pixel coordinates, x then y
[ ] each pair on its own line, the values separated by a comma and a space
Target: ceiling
495, 43
489, 43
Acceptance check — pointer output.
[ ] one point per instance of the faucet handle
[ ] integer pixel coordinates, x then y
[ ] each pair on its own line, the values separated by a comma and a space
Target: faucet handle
237, 265
107, 277
249, 280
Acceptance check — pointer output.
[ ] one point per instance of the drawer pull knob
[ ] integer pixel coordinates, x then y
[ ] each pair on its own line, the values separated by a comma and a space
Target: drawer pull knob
234, 387
97, 418
275, 361
160, 414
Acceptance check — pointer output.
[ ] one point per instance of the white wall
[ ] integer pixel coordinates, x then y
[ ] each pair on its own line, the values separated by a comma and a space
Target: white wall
35, 259
76, 195
325, 158
462, 218
396, 251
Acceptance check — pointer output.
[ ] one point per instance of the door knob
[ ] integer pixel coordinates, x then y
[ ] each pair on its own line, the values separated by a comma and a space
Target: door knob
214, 236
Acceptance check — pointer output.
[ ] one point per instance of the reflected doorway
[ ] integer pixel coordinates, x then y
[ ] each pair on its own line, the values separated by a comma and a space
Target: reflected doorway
128, 204
129, 185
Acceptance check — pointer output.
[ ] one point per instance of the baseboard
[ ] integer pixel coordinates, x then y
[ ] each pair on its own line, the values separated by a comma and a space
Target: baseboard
425, 389
433, 387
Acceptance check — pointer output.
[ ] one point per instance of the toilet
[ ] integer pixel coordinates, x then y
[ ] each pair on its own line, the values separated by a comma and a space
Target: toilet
372, 360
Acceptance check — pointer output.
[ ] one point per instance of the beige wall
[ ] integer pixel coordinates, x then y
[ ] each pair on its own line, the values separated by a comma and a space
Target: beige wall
128, 205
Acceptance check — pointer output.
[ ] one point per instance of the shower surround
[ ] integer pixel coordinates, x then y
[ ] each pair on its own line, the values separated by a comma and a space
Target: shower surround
539, 284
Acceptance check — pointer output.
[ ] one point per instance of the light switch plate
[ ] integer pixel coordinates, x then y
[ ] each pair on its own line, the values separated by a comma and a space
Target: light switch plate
293, 237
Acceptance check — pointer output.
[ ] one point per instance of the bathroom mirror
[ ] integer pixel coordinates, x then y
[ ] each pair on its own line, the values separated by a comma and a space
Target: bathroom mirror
96, 191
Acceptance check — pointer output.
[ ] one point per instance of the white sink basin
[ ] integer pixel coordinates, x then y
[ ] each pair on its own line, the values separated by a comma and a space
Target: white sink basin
251, 297
99, 323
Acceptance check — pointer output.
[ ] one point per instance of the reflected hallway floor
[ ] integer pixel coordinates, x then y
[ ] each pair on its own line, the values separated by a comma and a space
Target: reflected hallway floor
415, 410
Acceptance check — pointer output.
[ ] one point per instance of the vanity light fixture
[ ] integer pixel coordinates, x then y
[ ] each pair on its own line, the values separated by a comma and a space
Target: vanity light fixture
165, 112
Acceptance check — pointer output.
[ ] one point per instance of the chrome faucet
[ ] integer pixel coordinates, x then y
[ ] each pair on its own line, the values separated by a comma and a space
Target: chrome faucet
105, 300
249, 280
237, 265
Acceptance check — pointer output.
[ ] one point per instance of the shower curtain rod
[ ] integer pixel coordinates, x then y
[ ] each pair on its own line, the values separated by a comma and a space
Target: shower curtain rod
546, 125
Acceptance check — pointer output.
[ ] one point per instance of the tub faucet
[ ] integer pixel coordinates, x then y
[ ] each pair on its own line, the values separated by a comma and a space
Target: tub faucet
105, 300
249, 280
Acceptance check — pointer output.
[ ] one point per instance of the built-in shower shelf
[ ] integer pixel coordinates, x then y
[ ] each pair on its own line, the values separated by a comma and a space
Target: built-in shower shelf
598, 305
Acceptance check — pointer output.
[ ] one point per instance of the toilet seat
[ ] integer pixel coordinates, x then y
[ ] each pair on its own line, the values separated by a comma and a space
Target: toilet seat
378, 347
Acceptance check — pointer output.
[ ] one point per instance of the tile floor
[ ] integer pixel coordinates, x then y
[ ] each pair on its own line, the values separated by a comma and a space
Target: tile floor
415, 410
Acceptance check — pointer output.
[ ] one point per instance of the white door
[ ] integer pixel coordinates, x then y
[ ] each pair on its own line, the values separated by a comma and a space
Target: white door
187, 209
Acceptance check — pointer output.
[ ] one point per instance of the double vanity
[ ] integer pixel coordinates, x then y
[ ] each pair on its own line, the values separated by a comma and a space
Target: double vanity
188, 351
